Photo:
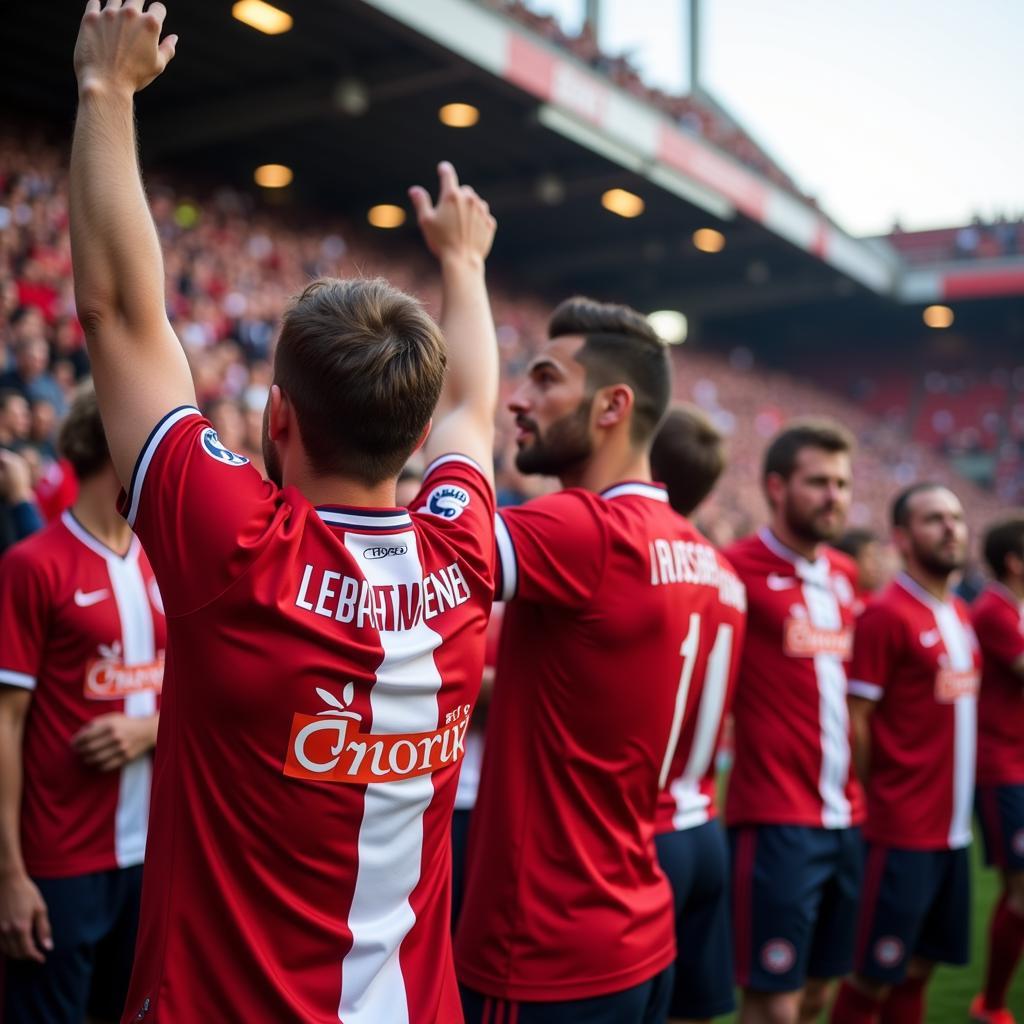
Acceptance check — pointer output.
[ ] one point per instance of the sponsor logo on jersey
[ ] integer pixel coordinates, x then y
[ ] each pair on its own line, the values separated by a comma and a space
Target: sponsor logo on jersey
930, 637
447, 501
87, 599
330, 746
211, 444
109, 678
952, 684
778, 956
386, 551
888, 951
777, 582
802, 639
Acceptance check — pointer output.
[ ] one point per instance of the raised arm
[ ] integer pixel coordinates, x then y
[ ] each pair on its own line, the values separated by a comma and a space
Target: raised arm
459, 231
138, 365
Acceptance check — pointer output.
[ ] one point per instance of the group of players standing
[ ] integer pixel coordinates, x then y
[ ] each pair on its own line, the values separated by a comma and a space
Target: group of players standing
324, 650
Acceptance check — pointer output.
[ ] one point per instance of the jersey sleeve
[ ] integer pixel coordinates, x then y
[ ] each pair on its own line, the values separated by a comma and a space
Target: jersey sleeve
876, 648
25, 603
458, 501
551, 550
1000, 635
200, 510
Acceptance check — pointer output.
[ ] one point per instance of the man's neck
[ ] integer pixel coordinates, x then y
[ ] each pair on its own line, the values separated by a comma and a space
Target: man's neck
606, 468
809, 549
936, 585
96, 509
334, 490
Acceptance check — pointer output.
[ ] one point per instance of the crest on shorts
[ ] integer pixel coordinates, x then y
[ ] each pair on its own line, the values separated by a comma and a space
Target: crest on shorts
778, 956
889, 951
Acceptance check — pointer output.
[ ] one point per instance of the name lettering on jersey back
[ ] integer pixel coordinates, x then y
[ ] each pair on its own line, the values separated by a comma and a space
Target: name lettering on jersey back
391, 607
330, 746
686, 561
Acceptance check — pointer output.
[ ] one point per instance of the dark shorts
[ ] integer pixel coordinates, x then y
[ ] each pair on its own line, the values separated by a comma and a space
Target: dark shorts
1000, 811
696, 862
916, 903
460, 834
646, 1003
94, 919
795, 894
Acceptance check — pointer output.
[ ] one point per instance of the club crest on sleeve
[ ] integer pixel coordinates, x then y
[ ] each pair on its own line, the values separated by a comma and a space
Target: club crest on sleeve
447, 501
211, 444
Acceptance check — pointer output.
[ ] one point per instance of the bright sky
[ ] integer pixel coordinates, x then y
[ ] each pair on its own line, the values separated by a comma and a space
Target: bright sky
883, 109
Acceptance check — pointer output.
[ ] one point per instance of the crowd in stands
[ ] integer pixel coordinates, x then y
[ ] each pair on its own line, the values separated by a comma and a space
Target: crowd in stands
694, 113
978, 240
232, 266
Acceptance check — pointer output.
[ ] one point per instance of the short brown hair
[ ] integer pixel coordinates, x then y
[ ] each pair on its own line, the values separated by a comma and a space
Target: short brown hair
81, 440
362, 363
620, 347
823, 434
1001, 539
687, 456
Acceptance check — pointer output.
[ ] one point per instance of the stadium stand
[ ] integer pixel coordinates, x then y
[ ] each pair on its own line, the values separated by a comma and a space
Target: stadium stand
232, 264
977, 240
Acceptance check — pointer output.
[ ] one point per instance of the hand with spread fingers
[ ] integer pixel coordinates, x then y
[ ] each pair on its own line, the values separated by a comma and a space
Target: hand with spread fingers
119, 45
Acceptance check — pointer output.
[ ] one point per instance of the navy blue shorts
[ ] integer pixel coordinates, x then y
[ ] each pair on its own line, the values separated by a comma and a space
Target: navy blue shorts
460, 835
795, 893
696, 862
646, 1003
1000, 811
916, 903
94, 919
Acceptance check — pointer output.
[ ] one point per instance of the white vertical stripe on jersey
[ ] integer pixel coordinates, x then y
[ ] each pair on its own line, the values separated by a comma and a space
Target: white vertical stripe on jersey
691, 804
507, 559
823, 609
139, 648
403, 699
957, 641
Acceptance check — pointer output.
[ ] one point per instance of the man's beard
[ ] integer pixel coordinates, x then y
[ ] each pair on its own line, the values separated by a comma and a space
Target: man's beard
565, 444
810, 528
270, 459
936, 563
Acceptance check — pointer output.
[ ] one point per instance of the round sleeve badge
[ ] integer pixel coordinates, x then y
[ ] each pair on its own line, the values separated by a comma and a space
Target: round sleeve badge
447, 501
211, 444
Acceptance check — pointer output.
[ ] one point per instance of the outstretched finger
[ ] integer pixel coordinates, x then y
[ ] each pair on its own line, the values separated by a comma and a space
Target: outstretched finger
421, 201
448, 178
113, 5
158, 11
93, 7
168, 48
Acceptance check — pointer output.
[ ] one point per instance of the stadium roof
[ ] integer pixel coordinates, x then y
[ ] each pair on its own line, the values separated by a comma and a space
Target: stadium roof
349, 99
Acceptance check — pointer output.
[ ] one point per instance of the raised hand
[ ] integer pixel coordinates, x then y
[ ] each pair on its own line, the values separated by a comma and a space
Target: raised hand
119, 46
460, 225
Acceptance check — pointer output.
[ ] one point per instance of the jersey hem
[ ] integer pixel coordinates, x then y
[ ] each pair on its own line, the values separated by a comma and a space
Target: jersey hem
983, 781
801, 821
921, 845
60, 869
608, 984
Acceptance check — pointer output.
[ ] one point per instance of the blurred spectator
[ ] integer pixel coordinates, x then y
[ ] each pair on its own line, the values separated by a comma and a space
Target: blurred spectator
15, 419
30, 375
876, 562
19, 516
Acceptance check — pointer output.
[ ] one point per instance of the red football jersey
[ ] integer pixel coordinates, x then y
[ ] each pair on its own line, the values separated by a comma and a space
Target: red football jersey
999, 624
322, 668
919, 659
564, 897
713, 647
82, 628
792, 735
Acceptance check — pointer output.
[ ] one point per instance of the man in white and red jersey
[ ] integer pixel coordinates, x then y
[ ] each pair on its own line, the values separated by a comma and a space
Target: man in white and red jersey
793, 807
688, 457
325, 647
913, 692
567, 916
998, 616
82, 637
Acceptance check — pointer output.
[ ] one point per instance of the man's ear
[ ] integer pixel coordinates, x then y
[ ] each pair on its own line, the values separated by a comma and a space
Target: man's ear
774, 489
280, 414
613, 405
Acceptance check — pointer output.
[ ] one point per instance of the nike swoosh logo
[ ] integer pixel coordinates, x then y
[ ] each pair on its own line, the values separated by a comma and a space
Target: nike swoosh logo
777, 582
87, 600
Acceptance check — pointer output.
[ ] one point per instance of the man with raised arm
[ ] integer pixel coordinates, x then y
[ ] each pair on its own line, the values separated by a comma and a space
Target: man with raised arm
324, 647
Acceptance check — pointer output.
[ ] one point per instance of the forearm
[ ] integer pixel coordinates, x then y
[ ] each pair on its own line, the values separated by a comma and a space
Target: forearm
11, 862
468, 326
860, 745
118, 267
